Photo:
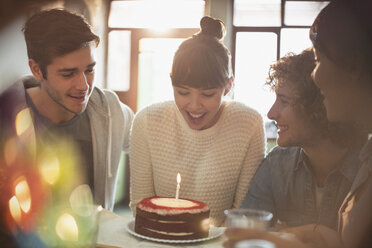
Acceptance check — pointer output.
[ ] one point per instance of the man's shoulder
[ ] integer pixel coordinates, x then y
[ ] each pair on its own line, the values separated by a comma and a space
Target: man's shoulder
105, 98
242, 115
282, 158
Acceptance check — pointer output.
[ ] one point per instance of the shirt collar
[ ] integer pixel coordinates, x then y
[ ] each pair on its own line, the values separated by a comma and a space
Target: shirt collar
301, 159
366, 152
348, 168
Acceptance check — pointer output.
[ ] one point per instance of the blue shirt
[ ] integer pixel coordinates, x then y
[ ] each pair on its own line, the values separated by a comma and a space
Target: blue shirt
285, 185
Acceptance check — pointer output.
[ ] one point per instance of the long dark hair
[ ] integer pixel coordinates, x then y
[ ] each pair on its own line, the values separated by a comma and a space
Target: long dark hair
343, 32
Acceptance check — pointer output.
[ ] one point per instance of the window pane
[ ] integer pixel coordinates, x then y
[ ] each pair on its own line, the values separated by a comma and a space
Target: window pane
255, 52
257, 13
294, 40
158, 14
154, 65
302, 13
119, 65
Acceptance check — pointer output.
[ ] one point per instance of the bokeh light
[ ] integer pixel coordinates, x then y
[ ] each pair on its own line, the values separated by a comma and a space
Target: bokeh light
23, 121
22, 192
49, 169
81, 200
10, 151
15, 209
66, 228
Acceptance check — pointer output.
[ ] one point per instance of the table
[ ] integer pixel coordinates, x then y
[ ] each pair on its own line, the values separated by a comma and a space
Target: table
112, 233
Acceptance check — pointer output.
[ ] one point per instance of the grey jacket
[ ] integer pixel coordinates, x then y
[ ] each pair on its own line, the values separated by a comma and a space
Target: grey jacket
110, 122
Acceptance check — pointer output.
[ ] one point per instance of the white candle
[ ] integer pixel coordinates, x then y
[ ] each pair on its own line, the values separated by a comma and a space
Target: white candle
178, 185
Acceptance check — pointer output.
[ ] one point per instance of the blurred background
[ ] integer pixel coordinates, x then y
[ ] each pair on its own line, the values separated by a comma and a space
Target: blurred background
139, 38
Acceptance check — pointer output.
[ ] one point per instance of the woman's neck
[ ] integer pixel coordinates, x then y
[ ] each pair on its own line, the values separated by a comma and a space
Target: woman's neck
324, 157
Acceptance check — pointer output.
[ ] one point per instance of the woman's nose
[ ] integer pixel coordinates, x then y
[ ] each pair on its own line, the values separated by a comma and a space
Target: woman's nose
195, 102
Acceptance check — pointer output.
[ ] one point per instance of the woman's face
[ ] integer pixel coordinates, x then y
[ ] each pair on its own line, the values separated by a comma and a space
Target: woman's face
201, 108
342, 96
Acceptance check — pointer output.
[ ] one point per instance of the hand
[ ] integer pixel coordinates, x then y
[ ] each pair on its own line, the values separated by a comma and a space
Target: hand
316, 235
235, 234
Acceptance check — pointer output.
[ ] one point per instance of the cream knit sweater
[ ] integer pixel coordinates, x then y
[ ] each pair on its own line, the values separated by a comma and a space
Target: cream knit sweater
216, 164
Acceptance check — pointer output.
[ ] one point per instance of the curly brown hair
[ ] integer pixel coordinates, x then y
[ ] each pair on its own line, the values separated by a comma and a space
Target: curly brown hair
295, 70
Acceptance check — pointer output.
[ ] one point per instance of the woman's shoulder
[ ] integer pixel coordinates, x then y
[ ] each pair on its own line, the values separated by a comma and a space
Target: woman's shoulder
158, 108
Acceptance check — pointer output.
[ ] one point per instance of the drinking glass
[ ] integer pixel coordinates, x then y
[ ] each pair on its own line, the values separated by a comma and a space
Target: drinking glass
248, 218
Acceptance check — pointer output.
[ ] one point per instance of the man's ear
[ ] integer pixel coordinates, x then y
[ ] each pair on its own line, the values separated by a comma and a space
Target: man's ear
35, 69
229, 86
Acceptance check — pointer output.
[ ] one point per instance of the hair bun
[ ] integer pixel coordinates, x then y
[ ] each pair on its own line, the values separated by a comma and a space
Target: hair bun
212, 27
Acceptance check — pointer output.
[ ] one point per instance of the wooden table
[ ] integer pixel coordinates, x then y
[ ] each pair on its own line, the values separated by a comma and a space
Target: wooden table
112, 233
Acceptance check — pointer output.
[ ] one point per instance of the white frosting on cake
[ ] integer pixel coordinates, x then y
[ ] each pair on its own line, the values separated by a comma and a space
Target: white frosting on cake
173, 203
171, 206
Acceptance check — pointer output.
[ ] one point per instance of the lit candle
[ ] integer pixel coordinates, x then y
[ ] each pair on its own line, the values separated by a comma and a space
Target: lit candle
178, 185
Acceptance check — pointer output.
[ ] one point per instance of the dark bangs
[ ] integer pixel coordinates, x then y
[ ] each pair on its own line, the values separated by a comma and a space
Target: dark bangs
199, 68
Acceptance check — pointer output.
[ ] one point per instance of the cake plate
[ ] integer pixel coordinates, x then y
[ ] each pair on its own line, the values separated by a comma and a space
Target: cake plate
214, 232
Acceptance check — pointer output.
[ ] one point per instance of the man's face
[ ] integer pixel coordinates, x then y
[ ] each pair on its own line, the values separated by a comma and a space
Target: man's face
293, 129
69, 82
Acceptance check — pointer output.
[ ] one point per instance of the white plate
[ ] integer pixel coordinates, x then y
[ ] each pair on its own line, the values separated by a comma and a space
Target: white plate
214, 232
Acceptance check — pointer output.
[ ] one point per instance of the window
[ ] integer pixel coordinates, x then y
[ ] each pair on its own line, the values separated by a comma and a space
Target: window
264, 31
143, 36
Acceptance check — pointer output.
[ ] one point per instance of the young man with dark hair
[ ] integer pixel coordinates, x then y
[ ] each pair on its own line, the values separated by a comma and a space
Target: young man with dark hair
65, 102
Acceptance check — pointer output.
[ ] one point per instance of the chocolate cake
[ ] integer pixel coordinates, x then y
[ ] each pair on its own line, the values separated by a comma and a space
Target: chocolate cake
173, 219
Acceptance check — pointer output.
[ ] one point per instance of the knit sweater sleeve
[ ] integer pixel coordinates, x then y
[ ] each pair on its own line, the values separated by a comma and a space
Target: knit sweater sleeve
253, 158
141, 178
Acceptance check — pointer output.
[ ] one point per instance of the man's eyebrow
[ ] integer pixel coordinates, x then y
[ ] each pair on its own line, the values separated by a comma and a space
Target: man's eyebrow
75, 68
92, 64
283, 96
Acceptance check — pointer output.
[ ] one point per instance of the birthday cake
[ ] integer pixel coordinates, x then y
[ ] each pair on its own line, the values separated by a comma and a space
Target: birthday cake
173, 219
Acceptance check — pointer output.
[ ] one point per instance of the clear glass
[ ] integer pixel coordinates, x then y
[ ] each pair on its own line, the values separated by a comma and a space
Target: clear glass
302, 13
156, 14
261, 13
255, 52
118, 67
248, 218
154, 66
254, 243
294, 40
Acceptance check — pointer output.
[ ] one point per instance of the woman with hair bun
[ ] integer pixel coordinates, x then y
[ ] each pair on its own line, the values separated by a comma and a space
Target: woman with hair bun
216, 145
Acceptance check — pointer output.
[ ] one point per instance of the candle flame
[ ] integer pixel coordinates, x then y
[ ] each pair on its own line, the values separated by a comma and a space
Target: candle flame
22, 192
178, 178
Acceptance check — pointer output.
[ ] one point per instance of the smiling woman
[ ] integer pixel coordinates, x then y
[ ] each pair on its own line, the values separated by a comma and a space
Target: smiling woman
216, 145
